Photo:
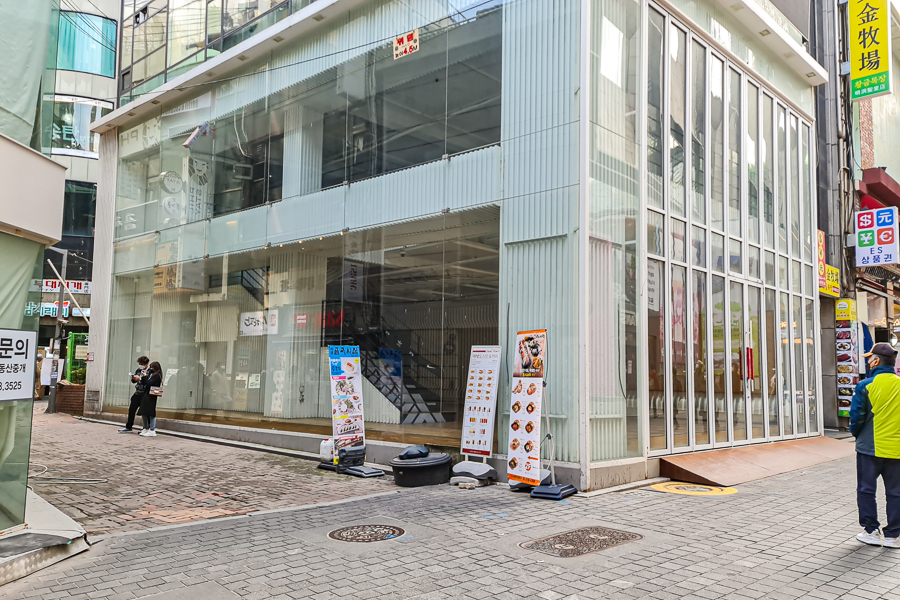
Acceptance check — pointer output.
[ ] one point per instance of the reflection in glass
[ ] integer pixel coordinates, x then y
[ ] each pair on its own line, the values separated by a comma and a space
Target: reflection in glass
799, 395
735, 264
79, 204
150, 35
720, 361
717, 251
677, 81
753, 262
698, 133
734, 153
656, 233
656, 351
678, 229
700, 358
737, 363
187, 28
717, 135
679, 358
698, 246
240, 12
15, 445
795, 188
656, 60
86, 43
809, 221
811, 372
795, 276
782, 182
768, 162
71, 126
784, 384
772, 394
770, 268
752, 165
755, 364
783, 273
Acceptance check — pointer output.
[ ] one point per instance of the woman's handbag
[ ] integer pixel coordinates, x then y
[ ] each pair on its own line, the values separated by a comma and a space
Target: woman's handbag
156, 391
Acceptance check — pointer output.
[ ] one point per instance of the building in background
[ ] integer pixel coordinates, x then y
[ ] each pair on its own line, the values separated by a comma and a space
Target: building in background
85, 91
163, 39
635, 177
31, 202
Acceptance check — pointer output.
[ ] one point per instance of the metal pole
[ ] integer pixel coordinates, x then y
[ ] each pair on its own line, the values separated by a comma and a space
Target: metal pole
56, 345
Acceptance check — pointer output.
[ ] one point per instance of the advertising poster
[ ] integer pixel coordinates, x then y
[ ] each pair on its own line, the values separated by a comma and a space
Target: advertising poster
17, 357
525, 407
481, 401
847, 353
346, 398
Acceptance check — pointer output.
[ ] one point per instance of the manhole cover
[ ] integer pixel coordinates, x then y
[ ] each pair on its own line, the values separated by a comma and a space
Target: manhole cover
366, 533
693, 489
580, 541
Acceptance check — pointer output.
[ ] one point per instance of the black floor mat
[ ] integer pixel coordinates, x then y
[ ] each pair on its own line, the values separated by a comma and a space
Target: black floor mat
26, 542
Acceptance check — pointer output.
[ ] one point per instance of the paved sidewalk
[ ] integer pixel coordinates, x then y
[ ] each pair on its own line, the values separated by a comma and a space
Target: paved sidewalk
786, 537
165, 480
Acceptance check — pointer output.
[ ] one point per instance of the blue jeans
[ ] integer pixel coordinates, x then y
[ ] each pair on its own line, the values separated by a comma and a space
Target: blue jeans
868, 468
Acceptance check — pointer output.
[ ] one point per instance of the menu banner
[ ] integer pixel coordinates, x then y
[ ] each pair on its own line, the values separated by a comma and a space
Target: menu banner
347, 422
525, 407
481, 401
847, 353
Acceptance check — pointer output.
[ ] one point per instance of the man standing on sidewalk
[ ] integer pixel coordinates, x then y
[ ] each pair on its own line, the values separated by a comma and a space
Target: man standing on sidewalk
143, 363
875, 422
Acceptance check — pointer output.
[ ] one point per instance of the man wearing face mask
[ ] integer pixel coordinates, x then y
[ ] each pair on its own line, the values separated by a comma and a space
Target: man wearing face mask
875, 422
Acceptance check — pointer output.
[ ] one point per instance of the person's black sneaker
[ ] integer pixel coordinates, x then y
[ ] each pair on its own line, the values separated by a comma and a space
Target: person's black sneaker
125, 431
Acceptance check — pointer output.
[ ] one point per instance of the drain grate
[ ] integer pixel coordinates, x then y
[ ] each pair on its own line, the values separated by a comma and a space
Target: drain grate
580, 541
366, 533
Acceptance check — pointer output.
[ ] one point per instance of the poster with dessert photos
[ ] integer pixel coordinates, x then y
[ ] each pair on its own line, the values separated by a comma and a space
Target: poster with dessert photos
347, 421
481, 401
524, 451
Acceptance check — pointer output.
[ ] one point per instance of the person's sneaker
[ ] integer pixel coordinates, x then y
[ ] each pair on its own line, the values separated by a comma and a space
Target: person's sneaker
872, 539
892, 542
125, 431
151, 433
144, 432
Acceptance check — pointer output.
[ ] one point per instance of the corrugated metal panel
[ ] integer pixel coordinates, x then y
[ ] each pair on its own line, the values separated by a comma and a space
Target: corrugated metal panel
303, 217
238, 231
538, 280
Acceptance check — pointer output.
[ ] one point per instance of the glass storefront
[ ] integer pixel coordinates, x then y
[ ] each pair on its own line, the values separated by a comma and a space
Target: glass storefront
355, 198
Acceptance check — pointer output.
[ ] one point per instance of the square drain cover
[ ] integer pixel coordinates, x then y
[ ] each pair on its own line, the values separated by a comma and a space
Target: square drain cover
580, 541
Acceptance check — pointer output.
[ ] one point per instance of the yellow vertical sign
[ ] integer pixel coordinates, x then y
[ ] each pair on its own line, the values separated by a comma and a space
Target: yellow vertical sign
870, 48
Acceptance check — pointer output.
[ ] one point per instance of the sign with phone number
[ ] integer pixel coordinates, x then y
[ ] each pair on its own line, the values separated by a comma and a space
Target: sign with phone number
17, 352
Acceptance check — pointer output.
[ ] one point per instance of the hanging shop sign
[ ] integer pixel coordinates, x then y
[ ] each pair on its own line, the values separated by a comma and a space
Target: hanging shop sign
17, 356
525, 407
820, 246
259, 322
847, 353
870, 48
481, 401
832, 285
406, 44
353, 281
347, 422
75, 287
877, 237
50, 309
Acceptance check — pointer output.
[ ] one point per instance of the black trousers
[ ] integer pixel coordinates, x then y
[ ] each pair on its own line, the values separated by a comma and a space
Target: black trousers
132, 409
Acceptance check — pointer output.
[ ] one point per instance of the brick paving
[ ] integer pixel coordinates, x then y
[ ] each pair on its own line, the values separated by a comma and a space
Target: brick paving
786, 537
152, 482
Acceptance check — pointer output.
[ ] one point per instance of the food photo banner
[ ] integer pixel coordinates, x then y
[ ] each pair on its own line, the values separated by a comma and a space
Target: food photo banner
347, 421
524, 449
481, 401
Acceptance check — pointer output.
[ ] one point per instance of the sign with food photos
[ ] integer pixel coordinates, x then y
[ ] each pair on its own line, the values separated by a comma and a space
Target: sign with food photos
17, 356
847, 353
876, 237
481, 401
347, 422
870, 48
524, 449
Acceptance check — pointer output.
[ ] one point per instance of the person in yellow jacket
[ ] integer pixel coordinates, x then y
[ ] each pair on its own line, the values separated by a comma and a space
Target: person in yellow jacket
875, 422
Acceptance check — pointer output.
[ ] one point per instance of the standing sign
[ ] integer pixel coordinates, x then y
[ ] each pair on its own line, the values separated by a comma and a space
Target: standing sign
17, 356
525, 409
481, 401
870, 48
876, 237
346, 398
847, 349
259, 322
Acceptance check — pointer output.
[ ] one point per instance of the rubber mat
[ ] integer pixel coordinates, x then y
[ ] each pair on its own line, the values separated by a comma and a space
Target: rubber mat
28, 542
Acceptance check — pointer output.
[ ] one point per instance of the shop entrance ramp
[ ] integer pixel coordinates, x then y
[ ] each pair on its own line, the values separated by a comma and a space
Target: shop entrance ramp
732, 466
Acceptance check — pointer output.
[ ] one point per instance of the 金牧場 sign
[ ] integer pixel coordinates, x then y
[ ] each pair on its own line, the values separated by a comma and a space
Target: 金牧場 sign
876, 237
870, 48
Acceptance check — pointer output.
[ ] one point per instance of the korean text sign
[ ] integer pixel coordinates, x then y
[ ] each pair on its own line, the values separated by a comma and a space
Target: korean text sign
525, 407
17, 354
876, 237
870, 48
346, 398
481, 401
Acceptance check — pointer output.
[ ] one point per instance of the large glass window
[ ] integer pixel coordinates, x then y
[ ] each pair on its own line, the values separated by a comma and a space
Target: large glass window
717, 138
737, 363
700, 358
698, 132
680, 408
241, 12
187, 30
149, 35
754, 363
71, 130
752, 154
783, 224
768, 162
785, 385
734, 154
677, 120
655, 92
811, 371
720, 361
87, 43
795, 188
773, 329
78, 208
656, 350
799, 345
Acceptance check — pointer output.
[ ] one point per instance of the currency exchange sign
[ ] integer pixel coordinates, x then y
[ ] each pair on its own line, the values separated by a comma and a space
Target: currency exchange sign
876, 237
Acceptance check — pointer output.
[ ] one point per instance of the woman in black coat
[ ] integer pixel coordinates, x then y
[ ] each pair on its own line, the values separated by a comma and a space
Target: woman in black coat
152, 378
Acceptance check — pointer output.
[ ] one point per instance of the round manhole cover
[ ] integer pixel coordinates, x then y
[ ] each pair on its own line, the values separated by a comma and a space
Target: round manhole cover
366, 533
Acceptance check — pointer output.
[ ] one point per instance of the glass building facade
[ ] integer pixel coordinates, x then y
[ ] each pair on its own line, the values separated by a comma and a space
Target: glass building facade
606, 173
